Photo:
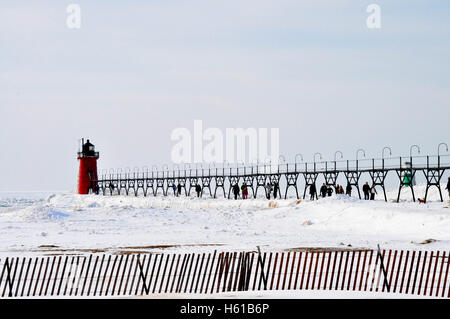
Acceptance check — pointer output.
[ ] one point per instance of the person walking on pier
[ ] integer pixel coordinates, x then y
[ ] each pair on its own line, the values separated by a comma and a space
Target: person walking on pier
448, 187
198, 189
348, 189
329, 190
236, 190
323, 190
366, 190
313, 190
275, 189
373, 191
244, 191
268, 190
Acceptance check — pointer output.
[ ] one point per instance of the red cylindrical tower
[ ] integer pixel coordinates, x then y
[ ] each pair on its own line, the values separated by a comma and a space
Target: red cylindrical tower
87, 175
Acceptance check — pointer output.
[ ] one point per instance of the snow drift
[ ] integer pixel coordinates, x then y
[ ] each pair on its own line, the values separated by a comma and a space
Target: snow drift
68, 222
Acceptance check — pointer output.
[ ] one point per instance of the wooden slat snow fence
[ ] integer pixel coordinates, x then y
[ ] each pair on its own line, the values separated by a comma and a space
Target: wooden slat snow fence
423, 273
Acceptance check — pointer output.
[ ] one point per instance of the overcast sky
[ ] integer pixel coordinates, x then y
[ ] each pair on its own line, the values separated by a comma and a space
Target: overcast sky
136, 70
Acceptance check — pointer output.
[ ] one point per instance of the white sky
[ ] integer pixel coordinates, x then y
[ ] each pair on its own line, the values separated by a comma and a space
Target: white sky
138, 69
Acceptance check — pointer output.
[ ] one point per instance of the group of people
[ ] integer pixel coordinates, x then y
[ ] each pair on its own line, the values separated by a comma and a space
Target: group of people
177, 189
244, 189
369, 192
327, 190
237, 190
275, 189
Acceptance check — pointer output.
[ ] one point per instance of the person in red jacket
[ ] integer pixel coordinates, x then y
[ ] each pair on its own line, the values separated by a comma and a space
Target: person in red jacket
244, 191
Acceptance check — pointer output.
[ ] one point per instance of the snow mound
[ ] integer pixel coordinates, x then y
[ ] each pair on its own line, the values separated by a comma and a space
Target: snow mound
82, 202
33, 214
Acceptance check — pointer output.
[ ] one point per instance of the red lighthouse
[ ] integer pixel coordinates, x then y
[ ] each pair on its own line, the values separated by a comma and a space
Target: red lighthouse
87, 175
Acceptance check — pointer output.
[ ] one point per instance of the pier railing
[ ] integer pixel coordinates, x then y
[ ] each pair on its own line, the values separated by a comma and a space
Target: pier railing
283, 176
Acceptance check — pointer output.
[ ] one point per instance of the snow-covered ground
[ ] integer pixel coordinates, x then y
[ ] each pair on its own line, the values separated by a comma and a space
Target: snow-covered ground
42, 223
294, 294
265, 294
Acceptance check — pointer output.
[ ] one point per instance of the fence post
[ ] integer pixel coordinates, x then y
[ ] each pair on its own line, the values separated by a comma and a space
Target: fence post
8, 277
263, 276
141, 275
385, 281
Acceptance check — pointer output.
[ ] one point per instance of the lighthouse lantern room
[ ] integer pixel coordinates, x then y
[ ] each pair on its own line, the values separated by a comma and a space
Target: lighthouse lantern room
87, 175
